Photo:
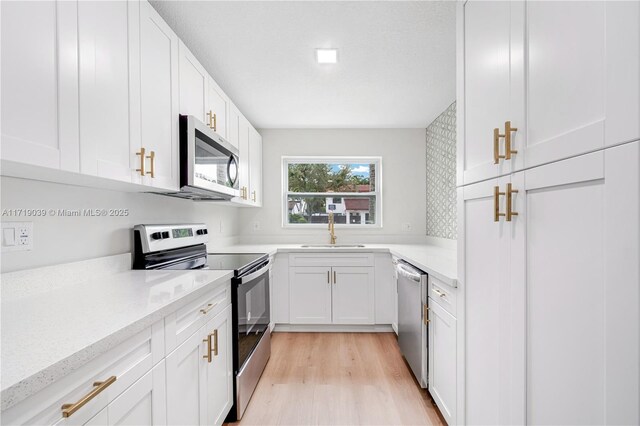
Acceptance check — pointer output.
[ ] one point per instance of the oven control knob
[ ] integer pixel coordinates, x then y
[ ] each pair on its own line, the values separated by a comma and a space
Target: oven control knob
156, 236
165, 234
201, 232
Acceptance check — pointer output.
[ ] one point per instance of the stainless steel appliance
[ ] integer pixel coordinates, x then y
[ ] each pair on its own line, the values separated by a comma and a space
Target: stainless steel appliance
208, 163
412, 329
183, 247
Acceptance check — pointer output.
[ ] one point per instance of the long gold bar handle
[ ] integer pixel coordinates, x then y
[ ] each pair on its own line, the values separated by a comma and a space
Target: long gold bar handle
152, 157
69, 409
328, 277
507, 140
142, 160
425, 314
496, 146
510, 192
253, 196
209, 307
208, 342
496, 204
335, 278
215, 123
210, 115
215, 342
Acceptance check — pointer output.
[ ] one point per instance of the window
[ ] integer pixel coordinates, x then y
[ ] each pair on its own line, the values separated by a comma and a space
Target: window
348, 188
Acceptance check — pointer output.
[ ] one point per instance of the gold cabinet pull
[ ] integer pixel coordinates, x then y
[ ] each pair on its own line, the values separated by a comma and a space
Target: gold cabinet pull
210, 115
253, 196
335, 278
142, 160
215, 342
152, 158
98, 387
507, 140
425, 314
496, 146
510, 212
496, 204
328, 277
215, 122
208, 342
439, 293
209, 307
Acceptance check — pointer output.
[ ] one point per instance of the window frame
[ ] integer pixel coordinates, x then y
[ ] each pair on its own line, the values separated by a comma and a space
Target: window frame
297, 159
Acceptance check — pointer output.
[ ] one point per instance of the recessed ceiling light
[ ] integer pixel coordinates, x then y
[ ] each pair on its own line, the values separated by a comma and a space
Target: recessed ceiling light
327, 56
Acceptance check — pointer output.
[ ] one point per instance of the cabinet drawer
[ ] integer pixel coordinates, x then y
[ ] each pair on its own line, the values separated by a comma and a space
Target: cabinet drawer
331, 259
127, 362
180, 325
444, 294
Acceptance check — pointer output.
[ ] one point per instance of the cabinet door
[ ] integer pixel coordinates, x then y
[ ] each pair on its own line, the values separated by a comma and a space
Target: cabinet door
233, 125
220, 369
193, 85
187, 382
40, 84
442, 360
577, 271
490, 38
103, 40
218, 108
352, 295
143, 403
484, 310
579, 77
158, 50
310, 295
244, 136
255, 166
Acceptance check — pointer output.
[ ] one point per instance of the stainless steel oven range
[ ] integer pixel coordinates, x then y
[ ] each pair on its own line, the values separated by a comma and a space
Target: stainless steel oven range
183, 246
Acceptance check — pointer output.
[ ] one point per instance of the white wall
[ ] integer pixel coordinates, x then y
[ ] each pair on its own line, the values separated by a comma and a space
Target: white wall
403, 180
69, 239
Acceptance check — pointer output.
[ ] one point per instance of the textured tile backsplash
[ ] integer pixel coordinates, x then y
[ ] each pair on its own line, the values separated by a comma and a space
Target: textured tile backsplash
441, 175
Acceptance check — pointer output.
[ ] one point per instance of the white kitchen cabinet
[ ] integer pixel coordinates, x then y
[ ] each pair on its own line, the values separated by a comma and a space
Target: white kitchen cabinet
220, 369
568, 258
255, 167
384, 289
352, 295
559, 72
156, 46
244, 144
141, 404
310, 295
40, 84
280, 289
193, 85
442, 360
233, 126
107, 148
218, 110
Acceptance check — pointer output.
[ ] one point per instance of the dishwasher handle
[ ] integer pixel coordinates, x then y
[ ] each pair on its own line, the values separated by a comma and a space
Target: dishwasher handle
408, 272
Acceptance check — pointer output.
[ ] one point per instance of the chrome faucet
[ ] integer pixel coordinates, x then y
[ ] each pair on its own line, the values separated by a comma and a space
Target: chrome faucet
332, 229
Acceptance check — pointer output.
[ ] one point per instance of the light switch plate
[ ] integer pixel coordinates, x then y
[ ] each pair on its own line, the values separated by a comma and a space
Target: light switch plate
17, 236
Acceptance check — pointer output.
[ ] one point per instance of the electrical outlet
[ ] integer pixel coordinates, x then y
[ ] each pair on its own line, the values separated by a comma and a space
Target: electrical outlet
256, 226
406, 227
17, 236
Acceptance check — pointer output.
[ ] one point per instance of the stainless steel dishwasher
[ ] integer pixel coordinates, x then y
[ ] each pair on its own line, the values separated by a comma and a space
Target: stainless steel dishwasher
412, 334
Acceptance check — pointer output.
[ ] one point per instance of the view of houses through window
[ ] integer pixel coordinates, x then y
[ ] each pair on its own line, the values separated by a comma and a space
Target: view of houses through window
316, 187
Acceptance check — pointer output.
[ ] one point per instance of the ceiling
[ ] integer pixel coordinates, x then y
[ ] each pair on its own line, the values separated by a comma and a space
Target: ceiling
396, 59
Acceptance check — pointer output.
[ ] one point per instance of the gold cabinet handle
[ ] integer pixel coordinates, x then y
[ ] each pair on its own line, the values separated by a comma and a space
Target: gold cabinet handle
98, 387
210, 115
507, 140
328, 277
510, 212
335, 278
425, 314
439, 293
208, 342
142, 160
496, 204
215, 342
152, 157
215, 122
253, 196
496, 146
209, 307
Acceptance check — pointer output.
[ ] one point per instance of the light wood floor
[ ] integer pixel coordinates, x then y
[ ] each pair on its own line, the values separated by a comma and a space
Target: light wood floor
338, 379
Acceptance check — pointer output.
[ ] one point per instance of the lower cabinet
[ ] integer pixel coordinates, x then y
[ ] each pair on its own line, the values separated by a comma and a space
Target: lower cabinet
331, 295
442, 360
200, 375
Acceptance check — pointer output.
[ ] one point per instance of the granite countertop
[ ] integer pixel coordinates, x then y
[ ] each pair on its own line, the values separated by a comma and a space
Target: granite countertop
80, 315
441, 262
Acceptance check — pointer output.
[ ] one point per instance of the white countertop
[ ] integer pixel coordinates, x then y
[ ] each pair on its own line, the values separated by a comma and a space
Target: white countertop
441, 262
51, 326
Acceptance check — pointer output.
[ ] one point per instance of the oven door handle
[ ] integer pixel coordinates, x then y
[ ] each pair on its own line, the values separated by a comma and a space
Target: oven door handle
265, 269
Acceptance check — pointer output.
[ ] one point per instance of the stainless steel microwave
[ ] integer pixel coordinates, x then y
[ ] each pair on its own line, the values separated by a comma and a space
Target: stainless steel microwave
208, 163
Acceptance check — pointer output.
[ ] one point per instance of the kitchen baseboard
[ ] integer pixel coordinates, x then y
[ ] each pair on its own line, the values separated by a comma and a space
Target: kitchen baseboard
333, 328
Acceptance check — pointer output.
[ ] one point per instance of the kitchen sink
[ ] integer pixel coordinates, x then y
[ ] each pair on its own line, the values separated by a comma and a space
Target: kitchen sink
332, 246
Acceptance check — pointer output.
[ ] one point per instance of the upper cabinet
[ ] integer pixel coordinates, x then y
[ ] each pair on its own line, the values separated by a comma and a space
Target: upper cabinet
255, 166
544, 81
39, 84
217, 112
193, 85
